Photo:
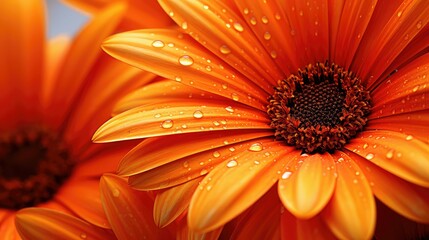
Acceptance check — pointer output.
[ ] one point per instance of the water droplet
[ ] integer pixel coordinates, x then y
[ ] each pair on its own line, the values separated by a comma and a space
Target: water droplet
232, 163
234, 96
216, 154
365, 146
209, 187
253, 20
229, 109
208, 68
198, 114
340, 159
409, 138
256, 162
186, 60
184, 126
116, 192
399, 13
389, 154
357, 173
419, 24
158, 115
232, 149
238, 27
256, 147
185, 164
178, 79
158, 44
225, 49
369, 156
184, 25
273, 54
203, 172
83, 235
246, 11
264, 19
286, 175
355, 181
167, 124
267, 35
415, 88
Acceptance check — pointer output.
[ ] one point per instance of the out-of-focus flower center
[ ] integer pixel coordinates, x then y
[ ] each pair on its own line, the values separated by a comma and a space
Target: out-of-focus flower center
33, 165
319, 109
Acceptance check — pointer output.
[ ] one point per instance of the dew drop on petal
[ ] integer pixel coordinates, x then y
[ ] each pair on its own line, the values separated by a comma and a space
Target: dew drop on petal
238, 27
365, 146
264, 19
253, 21
419, 25
369, 156
256, 147
178, 79
389, 154
184, 25
83, 235
167, 124
225, 49
267, 35
232, 163
185, 164
234, 96
229, 109
186, 60
246, 11
409, 138
286, 175
158, 44
340, 159
216, 154
203, 172
273, 54
158, 115
198, 114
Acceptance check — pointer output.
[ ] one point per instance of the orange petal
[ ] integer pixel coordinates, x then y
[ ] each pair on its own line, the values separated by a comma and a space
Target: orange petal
22, 57
155, 152
352, 197
83, 198
185, 116
403, 197
221, 30
174, 55
405, 91
162, 91
240, 181
307, 184
411, 123
355, 16
309, 26
184, 233
190, 167
7, 228
392, 27
276, 34
80, 58
397, 153
172, 202
262, 220
129, 211
39, 223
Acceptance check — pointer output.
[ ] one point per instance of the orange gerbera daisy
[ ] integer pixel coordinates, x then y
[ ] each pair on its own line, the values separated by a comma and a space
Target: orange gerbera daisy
52, 104
326, 101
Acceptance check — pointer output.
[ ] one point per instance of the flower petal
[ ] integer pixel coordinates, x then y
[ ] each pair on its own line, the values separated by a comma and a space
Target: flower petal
221, 30
189, 167
83, 198
172, 202
184, 233
393, 26
79, 60
174, 55
404, 197
162, 91
412, 123
307, 184
261, 220
22, 57
397, 153
405, 91
180, 117
352, 197
39, 223
155, 152
7, 228
129, 211
240, 181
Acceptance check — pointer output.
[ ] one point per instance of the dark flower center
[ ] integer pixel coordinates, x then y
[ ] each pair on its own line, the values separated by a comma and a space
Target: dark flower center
319, 109
33, 165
